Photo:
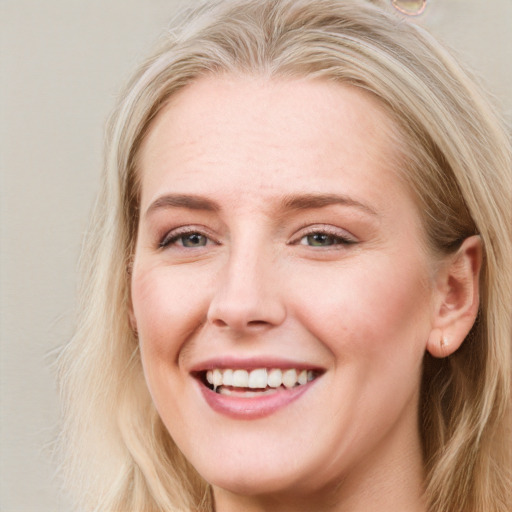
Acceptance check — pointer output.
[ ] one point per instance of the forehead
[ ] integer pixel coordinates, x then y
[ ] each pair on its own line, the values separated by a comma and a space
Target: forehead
243, 133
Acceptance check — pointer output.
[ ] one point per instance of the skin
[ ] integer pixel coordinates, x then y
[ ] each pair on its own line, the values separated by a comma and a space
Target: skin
253, 285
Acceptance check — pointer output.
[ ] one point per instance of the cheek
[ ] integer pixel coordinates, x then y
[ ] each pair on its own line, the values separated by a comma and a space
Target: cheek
369, 309
168, 310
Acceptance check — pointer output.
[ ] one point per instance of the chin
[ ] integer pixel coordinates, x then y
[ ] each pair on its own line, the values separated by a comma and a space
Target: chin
269, 486
272, 475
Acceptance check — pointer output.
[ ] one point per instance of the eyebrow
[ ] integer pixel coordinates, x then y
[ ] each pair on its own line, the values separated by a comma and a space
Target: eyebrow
312, 201
191, 202
291, 202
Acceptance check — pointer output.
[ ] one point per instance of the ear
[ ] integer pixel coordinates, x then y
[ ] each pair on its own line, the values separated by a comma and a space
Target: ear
133, 320
131, 313
457, 298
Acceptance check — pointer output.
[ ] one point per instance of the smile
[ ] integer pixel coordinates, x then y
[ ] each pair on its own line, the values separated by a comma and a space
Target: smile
230, 381
253, 393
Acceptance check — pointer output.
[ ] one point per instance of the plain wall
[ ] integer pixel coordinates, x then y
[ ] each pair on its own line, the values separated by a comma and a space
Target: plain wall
62, 64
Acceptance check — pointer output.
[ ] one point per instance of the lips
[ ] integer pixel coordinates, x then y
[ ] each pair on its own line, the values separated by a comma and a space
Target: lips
251, 390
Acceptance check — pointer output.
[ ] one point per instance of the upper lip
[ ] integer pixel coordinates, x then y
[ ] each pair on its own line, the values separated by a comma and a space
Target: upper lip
252, 364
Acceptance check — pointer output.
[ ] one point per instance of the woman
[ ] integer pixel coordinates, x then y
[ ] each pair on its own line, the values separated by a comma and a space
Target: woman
297, 281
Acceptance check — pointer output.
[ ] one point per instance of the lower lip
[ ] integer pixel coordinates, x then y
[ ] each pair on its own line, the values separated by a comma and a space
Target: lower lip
252, 408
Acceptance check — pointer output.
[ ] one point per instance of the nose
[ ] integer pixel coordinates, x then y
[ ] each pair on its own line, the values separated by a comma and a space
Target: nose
248, 295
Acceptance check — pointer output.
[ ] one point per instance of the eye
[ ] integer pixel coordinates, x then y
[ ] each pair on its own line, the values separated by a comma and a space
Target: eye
192, 240
187, 239
325, 238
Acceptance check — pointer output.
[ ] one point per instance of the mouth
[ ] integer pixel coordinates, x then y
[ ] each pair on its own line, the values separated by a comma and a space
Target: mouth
256, 382
252, 388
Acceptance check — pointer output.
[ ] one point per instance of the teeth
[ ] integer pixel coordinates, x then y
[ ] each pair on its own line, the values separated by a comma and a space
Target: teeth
260, 378
275, 378
227, 378
245, 394
289, 378
240, 378
217, 378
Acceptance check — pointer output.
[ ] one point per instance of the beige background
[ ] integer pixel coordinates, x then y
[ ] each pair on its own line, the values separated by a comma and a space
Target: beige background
62, 63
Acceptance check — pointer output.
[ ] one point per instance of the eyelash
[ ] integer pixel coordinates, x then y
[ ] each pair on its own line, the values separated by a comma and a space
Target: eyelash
334, 234
172, 237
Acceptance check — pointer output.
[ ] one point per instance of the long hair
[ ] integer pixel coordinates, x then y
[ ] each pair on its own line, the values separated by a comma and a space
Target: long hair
456, 159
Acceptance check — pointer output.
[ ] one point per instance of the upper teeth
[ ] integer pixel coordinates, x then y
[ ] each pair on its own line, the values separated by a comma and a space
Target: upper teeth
259, 378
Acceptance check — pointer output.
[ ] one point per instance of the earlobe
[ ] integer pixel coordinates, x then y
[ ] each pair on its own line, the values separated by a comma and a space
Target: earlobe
438, 345
131, 313
133, 320
457, 286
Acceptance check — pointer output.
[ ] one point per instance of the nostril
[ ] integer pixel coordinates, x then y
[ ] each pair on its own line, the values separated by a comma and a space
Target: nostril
249, 310
253, 324
257, 323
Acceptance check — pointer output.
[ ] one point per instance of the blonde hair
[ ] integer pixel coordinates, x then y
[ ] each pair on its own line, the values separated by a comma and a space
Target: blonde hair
455, 156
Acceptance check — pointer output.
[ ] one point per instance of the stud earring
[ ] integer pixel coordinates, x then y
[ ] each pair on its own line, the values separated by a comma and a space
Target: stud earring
437, 343
444, 345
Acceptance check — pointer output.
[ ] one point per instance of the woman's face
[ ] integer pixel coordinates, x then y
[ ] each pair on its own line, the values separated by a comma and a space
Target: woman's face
280, 256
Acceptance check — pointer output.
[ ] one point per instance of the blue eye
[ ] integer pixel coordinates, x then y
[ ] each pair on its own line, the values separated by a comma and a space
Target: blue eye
189, 240
321, 239
193, 240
